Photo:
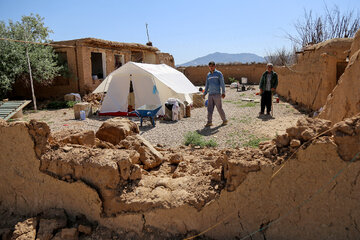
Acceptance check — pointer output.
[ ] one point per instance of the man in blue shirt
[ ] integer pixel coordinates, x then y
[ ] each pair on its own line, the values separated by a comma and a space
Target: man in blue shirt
215, 86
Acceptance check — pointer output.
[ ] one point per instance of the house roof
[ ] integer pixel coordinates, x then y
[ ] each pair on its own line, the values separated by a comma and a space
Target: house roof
105, 43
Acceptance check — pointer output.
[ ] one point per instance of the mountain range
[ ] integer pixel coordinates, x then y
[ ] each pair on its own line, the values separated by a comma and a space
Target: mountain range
218, 57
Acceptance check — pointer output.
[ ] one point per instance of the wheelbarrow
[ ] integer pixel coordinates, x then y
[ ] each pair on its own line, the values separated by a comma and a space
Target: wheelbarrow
147, 111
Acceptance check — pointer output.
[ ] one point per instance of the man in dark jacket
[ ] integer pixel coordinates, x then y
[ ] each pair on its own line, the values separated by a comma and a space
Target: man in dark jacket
268, 84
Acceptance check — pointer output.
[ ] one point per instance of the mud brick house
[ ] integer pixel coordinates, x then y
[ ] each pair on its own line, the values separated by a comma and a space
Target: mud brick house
89, 61
316, 73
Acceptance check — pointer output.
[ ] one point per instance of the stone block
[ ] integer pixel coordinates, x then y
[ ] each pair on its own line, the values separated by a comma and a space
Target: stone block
82, 106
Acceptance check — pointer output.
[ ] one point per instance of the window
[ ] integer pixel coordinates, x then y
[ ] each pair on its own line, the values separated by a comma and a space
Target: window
137, 57
97, 67
119, 60
62, 58
63, 79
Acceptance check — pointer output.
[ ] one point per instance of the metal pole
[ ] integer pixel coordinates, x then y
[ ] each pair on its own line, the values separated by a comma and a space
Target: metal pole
272, 105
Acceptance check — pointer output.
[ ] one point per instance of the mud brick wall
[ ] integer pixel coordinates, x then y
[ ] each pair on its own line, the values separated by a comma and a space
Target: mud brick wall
253, 72
314, 76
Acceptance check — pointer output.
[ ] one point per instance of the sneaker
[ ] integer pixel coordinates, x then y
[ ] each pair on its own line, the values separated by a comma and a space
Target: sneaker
261, 113
208, 125
225, 122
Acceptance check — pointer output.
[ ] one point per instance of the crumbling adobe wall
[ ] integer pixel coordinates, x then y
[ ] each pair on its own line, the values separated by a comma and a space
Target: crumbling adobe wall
25, 189
189, 190
344, 100
253, 72
314, 76
165, 58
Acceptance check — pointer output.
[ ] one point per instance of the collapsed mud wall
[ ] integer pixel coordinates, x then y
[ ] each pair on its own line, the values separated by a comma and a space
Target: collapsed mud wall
184, 191
314, 76
253, 72
344, 100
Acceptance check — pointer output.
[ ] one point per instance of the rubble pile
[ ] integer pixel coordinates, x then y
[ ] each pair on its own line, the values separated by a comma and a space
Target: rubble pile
93, 98
53, 224
284, 145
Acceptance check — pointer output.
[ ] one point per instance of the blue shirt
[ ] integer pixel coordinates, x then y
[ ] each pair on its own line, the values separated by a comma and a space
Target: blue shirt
214, 81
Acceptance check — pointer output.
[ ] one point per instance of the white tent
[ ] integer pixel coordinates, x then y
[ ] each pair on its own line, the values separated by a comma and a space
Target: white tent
152, 84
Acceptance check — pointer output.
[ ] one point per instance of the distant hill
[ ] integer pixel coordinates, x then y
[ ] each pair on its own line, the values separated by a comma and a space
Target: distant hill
224, 58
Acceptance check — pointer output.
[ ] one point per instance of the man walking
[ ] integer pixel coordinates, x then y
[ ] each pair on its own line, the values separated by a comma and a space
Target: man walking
268, 84
215, 86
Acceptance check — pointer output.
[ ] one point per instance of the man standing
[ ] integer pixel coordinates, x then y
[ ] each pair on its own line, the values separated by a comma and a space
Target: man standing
215, 86
268, 84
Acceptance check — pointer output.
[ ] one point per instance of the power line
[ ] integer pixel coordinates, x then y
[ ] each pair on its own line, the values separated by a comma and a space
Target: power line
45, 44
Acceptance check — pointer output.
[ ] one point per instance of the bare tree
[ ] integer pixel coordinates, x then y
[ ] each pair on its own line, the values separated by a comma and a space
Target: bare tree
333, 24
281, 57
341, 25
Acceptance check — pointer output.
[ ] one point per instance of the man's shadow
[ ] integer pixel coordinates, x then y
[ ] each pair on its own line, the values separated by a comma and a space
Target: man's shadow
265, 117
207, 131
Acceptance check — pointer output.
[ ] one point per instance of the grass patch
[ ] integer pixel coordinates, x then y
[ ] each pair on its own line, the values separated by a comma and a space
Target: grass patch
248, 104
195, 139
235, 139
245, 120
253, 141
60, 104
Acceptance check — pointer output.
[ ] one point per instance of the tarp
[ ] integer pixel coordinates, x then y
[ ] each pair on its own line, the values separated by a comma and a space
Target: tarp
152, 84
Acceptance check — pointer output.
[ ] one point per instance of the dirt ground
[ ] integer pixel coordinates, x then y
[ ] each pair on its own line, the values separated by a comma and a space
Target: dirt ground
245, 127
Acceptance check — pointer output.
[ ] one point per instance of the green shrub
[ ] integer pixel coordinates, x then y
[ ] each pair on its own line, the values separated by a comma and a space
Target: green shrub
253, 142
195, 139
231, 79
60, 104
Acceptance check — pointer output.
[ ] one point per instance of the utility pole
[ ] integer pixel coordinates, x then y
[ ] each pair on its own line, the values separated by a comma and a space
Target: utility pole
31, 79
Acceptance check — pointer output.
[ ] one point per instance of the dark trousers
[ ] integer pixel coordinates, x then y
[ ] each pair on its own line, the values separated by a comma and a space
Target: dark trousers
266, 101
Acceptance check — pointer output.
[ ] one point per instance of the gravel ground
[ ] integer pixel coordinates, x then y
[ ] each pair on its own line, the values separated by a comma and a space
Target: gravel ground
245, 126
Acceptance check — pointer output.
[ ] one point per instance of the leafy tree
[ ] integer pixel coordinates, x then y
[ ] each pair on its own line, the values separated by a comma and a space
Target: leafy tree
28, 59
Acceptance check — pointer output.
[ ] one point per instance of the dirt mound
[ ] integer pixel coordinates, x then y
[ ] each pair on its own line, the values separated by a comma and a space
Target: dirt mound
123, 186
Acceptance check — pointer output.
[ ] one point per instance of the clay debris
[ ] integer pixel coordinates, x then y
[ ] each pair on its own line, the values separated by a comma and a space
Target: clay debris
116, 129
93, 98
347, 137
131, 175
284, 145
52, 224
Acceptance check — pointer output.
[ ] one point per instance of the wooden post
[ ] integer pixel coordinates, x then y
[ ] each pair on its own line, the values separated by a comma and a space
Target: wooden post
31, 80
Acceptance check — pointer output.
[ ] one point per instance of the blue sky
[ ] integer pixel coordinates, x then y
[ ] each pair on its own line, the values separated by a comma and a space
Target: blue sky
186, 29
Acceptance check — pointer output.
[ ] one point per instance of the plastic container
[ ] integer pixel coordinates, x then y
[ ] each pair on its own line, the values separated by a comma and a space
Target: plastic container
82, 115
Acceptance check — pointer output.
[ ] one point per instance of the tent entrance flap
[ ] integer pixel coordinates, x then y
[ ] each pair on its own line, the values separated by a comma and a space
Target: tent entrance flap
131, 97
